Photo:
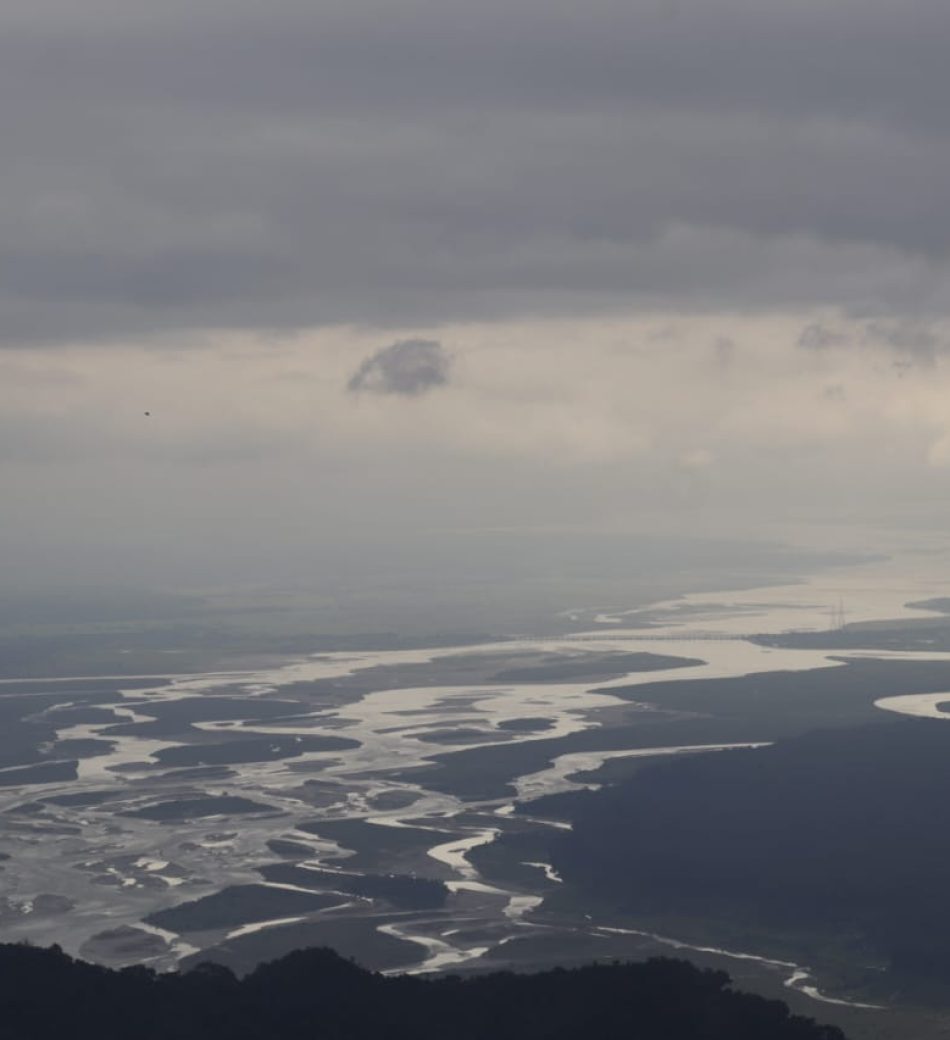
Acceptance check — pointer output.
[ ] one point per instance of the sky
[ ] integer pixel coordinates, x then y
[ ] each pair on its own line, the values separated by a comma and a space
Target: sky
386, 271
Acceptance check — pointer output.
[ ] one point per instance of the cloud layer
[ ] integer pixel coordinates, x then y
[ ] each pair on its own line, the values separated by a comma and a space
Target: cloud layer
652, 264
249, 166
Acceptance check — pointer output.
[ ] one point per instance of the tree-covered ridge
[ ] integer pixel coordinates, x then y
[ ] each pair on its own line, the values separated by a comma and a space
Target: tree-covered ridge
316, 994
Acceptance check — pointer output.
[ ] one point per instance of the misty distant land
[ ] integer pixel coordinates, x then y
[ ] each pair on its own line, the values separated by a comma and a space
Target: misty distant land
444, 592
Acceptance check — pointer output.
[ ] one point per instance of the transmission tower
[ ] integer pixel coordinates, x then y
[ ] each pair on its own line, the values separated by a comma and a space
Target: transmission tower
838, 617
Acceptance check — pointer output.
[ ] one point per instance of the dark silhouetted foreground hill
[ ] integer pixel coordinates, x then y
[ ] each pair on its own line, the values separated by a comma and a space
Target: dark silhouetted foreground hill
316, 994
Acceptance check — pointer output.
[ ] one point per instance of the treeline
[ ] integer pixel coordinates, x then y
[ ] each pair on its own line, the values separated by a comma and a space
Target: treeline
45, 994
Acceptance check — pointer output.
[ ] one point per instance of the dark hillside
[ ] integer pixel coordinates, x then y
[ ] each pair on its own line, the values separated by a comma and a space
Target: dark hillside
314, 993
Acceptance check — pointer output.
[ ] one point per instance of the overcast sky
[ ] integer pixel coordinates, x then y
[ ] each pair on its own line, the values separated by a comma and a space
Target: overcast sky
388, 266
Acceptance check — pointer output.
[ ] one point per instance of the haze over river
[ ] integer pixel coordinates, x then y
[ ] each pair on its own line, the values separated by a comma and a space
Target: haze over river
282, 801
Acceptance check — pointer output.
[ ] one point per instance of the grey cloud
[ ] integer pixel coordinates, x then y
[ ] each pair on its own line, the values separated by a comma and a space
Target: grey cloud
816, 336
906, 336
918, 340
227, 166
409, 367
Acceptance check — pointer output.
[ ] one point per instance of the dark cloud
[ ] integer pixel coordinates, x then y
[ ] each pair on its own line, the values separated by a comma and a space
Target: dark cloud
409, 367
231, 164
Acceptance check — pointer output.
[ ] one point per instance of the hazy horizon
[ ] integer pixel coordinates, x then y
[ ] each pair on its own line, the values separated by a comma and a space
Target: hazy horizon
283, 282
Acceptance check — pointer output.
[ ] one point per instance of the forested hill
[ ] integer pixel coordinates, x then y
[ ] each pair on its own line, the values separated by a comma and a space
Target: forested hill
316, 994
